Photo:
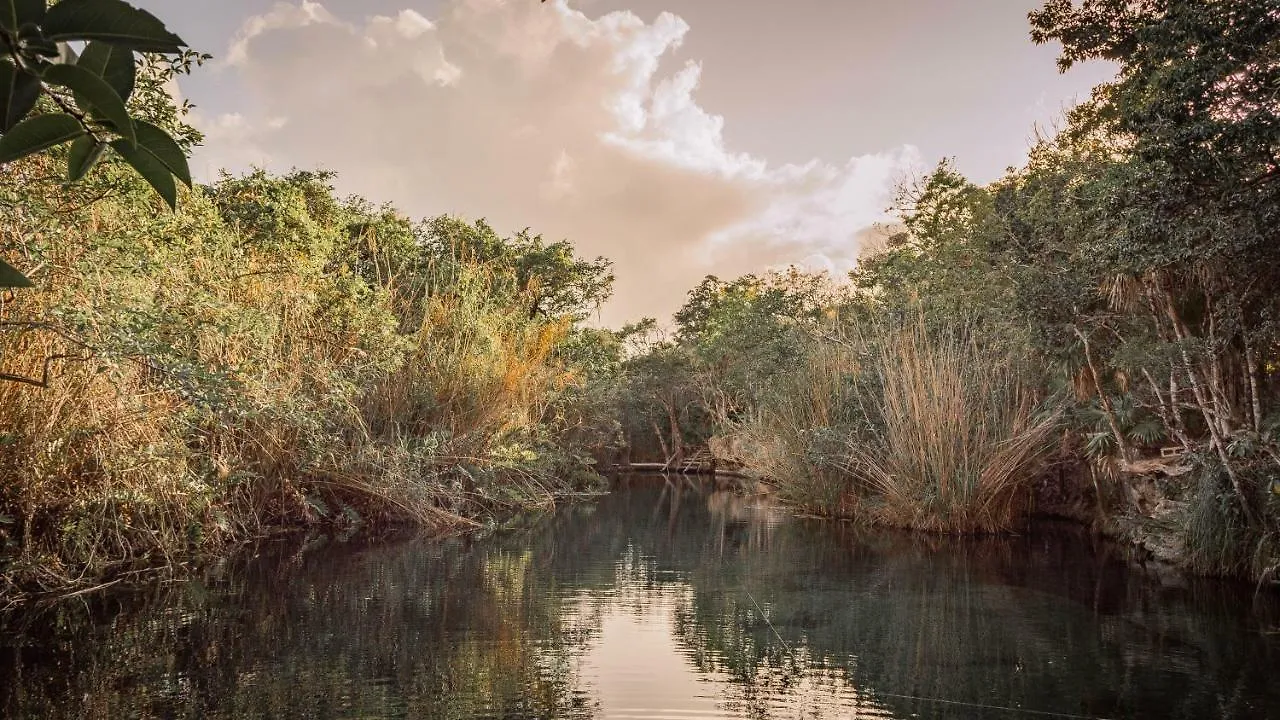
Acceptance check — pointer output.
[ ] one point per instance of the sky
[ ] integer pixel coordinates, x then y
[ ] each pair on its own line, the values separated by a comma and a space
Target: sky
679, 138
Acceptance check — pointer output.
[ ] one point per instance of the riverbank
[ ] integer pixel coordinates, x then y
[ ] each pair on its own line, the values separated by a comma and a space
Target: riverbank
1154, 549
35, 580
1148, 514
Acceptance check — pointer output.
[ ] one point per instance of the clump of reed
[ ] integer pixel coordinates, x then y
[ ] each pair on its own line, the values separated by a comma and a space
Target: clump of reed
475, 365
958, 432
1219, 539
908, 425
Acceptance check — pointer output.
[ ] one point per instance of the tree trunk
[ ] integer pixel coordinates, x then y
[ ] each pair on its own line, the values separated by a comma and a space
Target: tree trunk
677, 442
1169, 412
1174, 392
662, 441
1197, 389
1251, 370
1107, 409
1222, 405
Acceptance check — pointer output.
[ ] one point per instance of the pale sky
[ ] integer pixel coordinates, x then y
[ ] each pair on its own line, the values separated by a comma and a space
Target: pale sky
676, 137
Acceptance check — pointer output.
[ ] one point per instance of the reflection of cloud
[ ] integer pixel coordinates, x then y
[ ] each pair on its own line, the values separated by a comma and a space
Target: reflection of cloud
533, 114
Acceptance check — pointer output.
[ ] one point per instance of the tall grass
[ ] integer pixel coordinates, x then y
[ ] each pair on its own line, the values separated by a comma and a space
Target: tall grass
1219, 539
230, 368
908, 425
798, 437
959, 433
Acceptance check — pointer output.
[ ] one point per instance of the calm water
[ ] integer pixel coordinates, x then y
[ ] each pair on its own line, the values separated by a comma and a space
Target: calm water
662, 600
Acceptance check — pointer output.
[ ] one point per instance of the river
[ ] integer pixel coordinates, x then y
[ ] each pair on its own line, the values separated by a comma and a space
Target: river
663, 599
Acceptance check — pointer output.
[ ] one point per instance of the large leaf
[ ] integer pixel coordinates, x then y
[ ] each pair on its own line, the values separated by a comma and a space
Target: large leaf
11, 278
16, 13
156, 142
113, 21
38, 133
94, 94
18, 94
85, 153
150, 168
111, 63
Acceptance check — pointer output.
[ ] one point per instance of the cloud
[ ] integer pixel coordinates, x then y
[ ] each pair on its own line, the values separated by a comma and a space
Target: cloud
537, 115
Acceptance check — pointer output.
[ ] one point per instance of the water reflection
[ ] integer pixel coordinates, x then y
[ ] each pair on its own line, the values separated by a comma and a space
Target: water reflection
663, 600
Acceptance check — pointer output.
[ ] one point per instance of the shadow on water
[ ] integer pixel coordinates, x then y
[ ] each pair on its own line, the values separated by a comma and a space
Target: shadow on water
663, 599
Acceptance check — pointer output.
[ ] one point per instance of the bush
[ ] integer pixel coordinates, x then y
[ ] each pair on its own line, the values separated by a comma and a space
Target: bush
267, 356
1219, 539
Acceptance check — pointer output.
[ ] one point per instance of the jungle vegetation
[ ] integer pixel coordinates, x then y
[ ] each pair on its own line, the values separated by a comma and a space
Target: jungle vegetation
1095, 333
186, 368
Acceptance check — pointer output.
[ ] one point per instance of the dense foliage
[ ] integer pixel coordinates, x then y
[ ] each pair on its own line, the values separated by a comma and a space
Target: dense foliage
83, 97
1122, 284
1096, 333
272, 355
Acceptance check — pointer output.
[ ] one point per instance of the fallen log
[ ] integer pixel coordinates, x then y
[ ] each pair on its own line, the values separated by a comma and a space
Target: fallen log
684, 470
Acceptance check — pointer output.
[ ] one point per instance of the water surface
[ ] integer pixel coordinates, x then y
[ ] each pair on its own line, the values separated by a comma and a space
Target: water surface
665, 599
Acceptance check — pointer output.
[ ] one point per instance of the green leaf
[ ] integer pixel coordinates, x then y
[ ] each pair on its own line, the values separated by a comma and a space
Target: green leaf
150, 168
157, 142
93, 93
38, 133
16, 13
85, 153
18, 94
113, 21
111, 63
11, 278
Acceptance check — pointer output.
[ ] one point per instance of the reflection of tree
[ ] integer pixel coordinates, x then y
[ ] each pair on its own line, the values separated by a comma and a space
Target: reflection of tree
1040, 622
497, 627
980, 622
445, 630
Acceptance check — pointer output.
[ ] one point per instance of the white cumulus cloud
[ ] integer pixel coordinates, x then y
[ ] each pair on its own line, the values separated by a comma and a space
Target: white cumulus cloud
538, 115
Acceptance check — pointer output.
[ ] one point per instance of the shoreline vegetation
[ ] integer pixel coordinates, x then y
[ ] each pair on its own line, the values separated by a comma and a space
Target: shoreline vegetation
272, 356
1095, 335
1092, 335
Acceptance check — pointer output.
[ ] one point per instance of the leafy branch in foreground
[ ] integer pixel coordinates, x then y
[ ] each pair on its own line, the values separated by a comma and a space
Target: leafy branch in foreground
90, 90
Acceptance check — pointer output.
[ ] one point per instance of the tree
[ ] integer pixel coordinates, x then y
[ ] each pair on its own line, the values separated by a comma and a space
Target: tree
51, 96
1196, 111
660, 394
549, 279
746, 331
945, 254
1197, 91
1185, 223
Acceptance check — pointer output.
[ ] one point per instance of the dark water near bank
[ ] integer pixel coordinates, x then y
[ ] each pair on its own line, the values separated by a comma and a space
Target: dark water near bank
652, 603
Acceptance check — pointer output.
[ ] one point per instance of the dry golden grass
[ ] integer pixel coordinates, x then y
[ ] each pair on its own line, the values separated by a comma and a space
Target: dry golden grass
258, 387
906, 426
959, 438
